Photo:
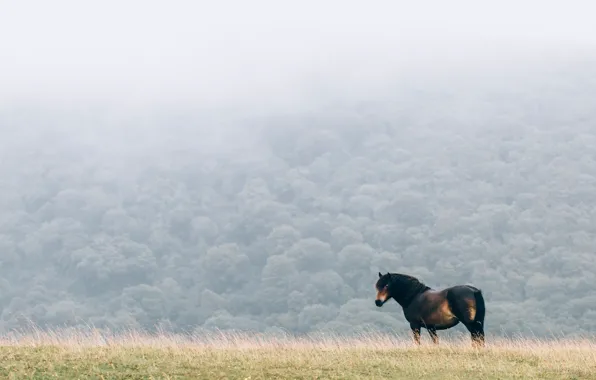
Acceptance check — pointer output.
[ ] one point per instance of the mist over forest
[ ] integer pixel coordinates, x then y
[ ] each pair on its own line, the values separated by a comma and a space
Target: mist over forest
263, 191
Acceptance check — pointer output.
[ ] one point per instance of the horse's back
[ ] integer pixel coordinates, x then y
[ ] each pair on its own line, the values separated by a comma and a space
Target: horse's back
463, 289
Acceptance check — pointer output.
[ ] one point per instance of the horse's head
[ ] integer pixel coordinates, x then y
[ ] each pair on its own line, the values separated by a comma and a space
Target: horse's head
383, 289
401, 287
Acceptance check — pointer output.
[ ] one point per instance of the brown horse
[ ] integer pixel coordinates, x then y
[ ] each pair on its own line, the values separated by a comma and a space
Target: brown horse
434, 309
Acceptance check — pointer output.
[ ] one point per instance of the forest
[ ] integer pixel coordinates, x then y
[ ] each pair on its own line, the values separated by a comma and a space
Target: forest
194, 219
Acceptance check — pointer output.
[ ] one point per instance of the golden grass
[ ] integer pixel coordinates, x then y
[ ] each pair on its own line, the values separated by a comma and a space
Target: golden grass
80, 354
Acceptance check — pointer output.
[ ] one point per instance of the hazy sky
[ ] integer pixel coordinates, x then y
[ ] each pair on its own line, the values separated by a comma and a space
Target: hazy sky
199, 51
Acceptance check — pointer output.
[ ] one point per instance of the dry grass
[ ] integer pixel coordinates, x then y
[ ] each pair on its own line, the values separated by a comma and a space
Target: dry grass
79, 354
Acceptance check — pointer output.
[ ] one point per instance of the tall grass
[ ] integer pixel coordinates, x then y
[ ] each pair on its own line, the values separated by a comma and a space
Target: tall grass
217, 339
94, 353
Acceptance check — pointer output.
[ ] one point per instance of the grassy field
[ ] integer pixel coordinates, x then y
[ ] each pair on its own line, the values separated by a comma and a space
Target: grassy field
94, 355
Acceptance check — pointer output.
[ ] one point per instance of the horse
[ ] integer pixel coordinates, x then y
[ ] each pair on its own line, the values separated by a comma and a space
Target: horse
434, 309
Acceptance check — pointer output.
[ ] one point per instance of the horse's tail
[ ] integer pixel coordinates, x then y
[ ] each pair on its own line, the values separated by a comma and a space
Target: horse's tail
480, 307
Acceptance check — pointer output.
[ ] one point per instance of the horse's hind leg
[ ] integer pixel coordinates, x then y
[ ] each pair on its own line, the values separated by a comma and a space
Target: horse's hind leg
471, 314
475, 326
477, 333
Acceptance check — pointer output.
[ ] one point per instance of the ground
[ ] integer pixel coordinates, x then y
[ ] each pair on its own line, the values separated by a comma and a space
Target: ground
259, 357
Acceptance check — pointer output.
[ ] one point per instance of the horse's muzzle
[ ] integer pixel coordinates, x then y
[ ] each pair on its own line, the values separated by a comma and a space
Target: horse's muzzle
379, 303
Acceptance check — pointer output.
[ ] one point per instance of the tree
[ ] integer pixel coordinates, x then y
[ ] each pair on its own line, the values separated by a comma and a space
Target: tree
311, 254
225, 268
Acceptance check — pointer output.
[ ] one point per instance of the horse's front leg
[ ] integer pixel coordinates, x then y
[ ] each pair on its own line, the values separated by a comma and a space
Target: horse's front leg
415, 332
433, 334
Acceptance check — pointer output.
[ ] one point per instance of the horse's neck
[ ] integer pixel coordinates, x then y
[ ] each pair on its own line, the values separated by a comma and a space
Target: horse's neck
416, 290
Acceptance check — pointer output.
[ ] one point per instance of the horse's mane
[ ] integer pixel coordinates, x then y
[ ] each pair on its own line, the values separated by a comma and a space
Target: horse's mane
404, 288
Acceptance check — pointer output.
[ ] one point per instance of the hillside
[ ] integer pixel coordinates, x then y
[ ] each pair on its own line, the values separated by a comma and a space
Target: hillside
281, 220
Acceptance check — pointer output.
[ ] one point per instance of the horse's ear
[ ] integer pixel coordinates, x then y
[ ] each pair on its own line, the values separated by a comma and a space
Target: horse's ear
380, 275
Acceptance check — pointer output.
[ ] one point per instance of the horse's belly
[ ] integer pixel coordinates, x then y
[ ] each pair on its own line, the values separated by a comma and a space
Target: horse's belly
447, 324
442, 316
441, 321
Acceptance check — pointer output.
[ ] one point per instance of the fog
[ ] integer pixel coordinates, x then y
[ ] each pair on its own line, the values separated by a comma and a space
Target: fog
184, 53
253, 166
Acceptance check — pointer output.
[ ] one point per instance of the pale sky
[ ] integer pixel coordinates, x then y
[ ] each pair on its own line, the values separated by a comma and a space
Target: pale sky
199, 51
